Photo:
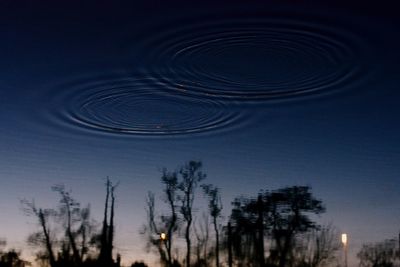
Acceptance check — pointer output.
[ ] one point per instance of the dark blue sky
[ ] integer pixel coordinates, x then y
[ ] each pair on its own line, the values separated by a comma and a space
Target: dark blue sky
266, 94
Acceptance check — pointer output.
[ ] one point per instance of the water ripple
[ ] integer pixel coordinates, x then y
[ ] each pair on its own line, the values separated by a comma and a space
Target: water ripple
127, 106
257, 58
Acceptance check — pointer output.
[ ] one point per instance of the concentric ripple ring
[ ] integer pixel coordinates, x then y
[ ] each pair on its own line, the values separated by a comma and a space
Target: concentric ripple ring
135, 107
260, 58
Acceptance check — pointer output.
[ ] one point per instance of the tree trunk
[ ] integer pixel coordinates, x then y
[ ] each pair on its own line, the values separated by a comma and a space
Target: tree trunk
49, 247
111, 228
260, 226
75, 251
230, 261
216, 242
103, 240
83, 244
188, 243
170, 230
71, 238
285, 250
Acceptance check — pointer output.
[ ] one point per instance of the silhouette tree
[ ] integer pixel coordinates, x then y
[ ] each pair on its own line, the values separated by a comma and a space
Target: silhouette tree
215, 208
201, 231
12, 258
168, 222
282, 215
381, 254
229, 244
86, 230
191, 176
318, 247
170, 181
69, 213
178, 195
70, 247
107, 234
289, 215
244, 237
44, 236
152, 229
138, 264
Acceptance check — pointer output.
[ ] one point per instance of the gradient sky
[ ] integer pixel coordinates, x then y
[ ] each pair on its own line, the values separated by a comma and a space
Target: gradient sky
74, 75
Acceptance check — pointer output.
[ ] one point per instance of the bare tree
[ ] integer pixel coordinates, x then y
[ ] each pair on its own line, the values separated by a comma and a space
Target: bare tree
110, 239
170, 181
69, 213
191, 175
167, 223
104, 231
152, 229
215, 208
107, 233
318, 247
86, 230
12, 258
381, 254
201, 231
65, 233
44, 236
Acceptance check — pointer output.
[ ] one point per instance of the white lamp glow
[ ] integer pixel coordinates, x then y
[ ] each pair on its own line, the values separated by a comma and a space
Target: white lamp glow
344, 239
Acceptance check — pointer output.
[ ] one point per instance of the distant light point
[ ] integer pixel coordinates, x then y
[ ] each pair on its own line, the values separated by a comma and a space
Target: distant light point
163, 236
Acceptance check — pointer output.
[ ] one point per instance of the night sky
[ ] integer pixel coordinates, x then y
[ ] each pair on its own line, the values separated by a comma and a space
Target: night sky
266, 93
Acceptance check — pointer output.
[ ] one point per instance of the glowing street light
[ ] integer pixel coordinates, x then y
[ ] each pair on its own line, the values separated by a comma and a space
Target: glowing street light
163, 236
344, 242
344, 239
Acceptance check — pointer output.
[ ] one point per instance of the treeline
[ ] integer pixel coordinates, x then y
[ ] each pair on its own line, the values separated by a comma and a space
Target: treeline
273, 228
67, 236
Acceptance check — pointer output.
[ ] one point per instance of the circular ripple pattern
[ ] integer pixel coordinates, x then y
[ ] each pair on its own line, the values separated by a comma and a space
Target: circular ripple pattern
136, 107
253, 59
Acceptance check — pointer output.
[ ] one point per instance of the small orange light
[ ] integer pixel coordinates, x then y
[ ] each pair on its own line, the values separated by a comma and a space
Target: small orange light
163, 236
